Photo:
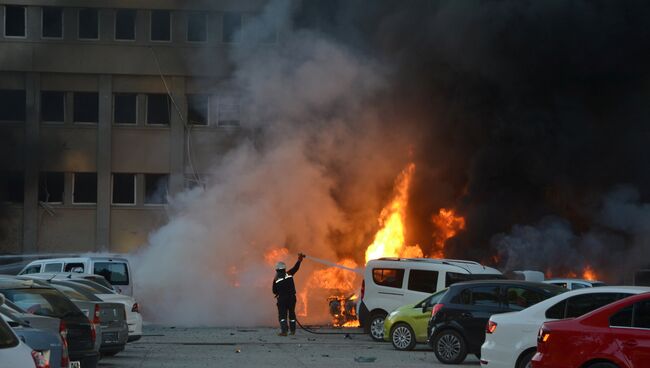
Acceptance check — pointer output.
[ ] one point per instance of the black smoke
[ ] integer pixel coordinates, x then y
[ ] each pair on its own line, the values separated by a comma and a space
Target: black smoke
520, 113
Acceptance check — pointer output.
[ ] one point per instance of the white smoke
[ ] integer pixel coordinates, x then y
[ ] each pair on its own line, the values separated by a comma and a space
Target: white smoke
308, 130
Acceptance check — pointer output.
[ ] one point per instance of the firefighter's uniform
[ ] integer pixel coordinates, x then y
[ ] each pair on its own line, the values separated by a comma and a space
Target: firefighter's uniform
285, 292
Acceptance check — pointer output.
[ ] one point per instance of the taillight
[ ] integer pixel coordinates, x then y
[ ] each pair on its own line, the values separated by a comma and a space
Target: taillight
363, 288
436, 309
135, 308
63, 332
94, 323
543, 335
40, 360
96, 315
491, 327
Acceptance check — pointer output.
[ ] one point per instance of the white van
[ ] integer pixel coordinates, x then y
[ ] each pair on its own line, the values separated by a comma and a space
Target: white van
115, 270
390, 283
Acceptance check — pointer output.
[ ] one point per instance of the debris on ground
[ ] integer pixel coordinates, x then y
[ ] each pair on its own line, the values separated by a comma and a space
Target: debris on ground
365, 359
238, 350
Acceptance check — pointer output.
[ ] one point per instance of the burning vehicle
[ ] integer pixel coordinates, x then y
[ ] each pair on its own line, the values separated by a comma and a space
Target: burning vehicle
343, 310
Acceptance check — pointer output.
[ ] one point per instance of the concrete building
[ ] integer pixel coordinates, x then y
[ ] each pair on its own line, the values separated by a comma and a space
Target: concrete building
106, 107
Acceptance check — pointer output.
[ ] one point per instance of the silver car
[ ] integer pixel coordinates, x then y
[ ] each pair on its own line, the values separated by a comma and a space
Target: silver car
49, 344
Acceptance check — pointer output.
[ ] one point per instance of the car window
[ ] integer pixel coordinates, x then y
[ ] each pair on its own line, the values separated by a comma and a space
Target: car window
116, 273
95, 287
32, 269
424, 281
560, 284
431, 300
44, 302
585, 303
390, 277
101, 281
53, 267
74, 267
454, 277
577, 285
557, 311
487, 296
519, 298
642, 314
7, 337
622, 318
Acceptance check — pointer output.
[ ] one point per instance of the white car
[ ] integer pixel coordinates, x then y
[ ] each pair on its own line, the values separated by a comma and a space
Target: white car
13, 352
573, 284
390, 283
511, 338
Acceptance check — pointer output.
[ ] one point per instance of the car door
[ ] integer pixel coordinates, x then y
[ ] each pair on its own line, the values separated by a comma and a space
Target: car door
420, 284
630, 328
483, 302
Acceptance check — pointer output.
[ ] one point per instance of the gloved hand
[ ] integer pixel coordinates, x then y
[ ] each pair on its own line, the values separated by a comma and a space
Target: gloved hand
301, 256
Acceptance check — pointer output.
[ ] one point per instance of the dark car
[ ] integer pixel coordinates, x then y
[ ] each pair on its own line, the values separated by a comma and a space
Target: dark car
76, 329
457, 324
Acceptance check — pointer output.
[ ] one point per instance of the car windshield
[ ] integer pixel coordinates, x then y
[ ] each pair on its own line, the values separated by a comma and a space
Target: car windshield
115, 273
454, 277
43, 302
7, 337
432, 299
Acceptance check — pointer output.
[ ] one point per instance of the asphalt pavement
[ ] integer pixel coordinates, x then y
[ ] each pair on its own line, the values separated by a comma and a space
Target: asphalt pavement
166, 346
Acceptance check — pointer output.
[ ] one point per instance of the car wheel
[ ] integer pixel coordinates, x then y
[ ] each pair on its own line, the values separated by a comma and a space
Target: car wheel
602, 365
526, 360
402, 337
450, 347
377, 326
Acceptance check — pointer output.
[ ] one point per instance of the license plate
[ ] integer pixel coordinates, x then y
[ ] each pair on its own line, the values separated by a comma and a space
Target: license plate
76, 364
109, 337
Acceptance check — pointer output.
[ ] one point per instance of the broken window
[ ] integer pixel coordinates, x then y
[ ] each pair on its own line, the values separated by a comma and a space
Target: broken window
123, 189
160, 25
155, 188
158, 109
12, 105
84, 188
12, 186
197, 109
231, 26
125, 108
228, 111
52, 106
86, 107
15, 21
50, 187
197, 27
52, 22
88, 24
125, 24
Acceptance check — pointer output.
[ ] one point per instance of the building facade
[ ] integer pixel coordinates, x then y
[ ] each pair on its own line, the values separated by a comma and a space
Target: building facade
106, 108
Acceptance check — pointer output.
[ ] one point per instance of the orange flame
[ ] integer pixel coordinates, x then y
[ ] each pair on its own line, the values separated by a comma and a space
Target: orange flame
389, 240
275, 255
447, 225
589, 274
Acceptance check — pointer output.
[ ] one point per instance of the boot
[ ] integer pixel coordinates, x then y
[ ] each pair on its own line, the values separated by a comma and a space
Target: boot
282, 333
292, 332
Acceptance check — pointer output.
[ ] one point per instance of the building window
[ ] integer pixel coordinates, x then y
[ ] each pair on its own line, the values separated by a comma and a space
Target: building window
125, 108
12, 105
197, 27
12, 185
155, 188
125, 24
86, 107
197, 109
53, 106
88, 24
228, 111
15, 19
161, 25
123, 189
158, 109
50, 187
52, 22
84, 188
231, 27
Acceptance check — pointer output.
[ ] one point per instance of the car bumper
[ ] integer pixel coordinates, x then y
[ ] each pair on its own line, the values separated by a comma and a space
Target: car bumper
493, 355
134, 323
541, 360
113, 339
88, 360
363, 314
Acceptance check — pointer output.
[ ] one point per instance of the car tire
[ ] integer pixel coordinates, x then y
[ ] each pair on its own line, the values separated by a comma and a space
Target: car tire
525, 359
450, 347
602, 365
402, 337
376, 326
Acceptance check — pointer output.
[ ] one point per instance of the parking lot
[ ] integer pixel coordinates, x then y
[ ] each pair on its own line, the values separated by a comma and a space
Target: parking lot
165, 346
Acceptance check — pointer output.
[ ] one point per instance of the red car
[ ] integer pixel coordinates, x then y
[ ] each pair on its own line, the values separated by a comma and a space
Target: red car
614, 336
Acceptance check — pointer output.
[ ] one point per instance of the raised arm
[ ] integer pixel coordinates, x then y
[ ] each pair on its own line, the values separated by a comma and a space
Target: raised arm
296, 267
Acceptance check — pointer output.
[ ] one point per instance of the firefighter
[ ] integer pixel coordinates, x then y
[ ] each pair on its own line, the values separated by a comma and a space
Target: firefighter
285, 293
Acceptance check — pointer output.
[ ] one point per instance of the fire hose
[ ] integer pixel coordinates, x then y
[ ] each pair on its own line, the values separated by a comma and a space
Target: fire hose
331, 264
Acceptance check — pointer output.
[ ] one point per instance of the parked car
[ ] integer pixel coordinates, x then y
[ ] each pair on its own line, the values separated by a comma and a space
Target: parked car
573, 284
40, 322
115, 270
13, 352
75, 328
407, 325
50, 346
457, 325
614, 336
390, 283
511, 338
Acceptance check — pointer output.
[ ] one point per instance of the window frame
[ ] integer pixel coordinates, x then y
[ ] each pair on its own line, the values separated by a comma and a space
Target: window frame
208, 121
413, 271
206, 16
65, 109
63, 186
74, 182
146, 113
171, 29
4, 14
74, 107
62, 23
144, 198
135, 190
98, 25
137, 108
223, 28
44, 268
135, 26
398, 271
24, 101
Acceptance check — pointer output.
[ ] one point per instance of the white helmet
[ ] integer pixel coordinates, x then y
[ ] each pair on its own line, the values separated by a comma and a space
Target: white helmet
280, 266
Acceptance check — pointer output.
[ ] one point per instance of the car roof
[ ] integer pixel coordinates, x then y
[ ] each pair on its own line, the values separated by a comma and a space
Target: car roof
10, 282
502, 282
81, 259
462, 266
572, 280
